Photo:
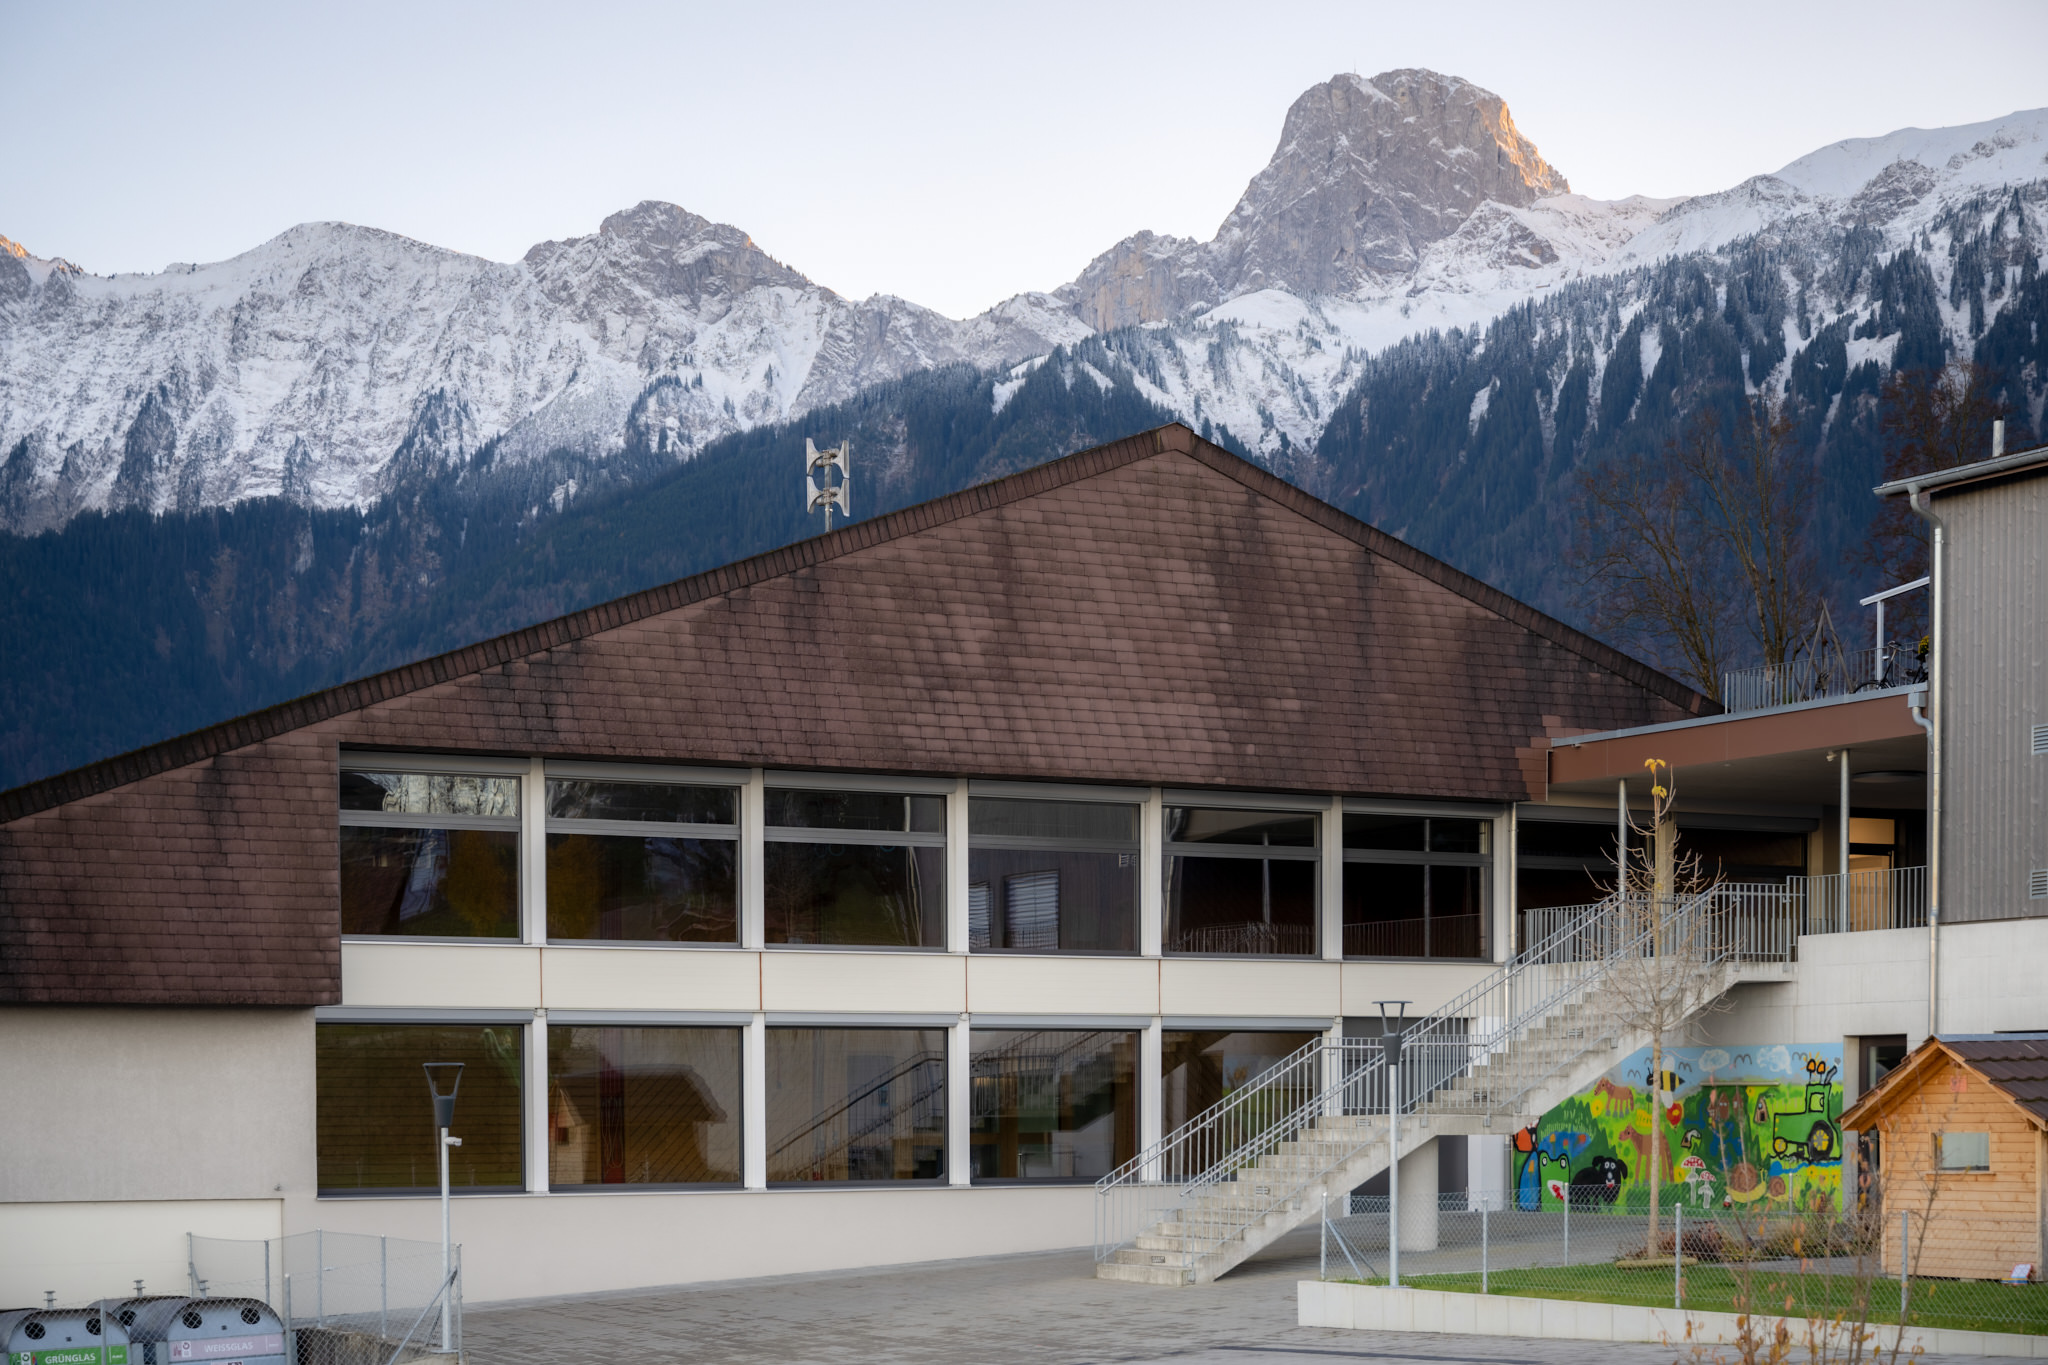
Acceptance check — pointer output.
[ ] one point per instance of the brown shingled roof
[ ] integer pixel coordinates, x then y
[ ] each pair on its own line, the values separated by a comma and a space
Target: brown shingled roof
1155, 611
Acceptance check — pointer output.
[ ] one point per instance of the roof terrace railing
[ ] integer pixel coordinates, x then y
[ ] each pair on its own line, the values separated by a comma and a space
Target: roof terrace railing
1836, 675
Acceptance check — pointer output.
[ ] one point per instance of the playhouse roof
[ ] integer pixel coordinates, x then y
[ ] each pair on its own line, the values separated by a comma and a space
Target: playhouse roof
2014, 1064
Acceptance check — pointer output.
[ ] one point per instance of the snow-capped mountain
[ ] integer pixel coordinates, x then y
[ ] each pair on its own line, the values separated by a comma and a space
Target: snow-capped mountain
327, 363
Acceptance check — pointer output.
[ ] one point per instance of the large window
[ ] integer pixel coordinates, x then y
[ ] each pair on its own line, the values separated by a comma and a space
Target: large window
1198, 1069
851, 867
1415, 886
429, 854
643, 1106
1240, 881
642, 862
374, 1119
856, 1104
1052, 1104
1052, 876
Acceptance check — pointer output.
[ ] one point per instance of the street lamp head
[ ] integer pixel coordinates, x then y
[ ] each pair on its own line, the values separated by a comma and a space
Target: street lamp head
443, 1080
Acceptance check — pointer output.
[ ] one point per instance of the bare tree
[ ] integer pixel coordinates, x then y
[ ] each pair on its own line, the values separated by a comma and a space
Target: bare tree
1677, 975
1676, 552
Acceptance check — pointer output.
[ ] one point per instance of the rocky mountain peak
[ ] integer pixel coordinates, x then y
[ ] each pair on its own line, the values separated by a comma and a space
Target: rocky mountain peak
1368, 174
664, 249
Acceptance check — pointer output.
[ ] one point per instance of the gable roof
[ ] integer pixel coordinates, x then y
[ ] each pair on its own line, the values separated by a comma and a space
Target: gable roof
824, 550
2014, 1064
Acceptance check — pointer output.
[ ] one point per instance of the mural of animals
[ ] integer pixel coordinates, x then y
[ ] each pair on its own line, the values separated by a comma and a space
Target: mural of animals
1734, 1127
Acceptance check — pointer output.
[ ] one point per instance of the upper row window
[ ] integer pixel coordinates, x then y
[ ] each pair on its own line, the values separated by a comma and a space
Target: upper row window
642, 862
854, 868
430, 854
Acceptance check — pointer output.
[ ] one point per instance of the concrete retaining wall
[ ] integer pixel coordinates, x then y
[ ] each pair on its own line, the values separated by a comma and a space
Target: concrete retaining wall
1376, 1308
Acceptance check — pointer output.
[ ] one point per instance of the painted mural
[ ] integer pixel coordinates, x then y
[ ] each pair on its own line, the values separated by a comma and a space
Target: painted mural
1736, 1127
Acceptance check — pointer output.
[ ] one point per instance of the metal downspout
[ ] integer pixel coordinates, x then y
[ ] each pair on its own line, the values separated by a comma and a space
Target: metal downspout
1931, 723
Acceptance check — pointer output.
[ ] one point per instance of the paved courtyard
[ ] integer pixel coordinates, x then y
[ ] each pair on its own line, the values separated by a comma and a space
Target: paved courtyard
1043, 1309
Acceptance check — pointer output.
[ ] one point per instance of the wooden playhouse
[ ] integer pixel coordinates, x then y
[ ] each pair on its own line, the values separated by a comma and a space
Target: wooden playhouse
1961, 1150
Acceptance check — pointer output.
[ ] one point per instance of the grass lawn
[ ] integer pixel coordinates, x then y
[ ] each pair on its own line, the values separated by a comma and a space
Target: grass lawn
1971, 1304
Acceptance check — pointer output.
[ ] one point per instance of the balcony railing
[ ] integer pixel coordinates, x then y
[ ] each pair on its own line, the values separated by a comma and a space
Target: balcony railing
1834, 675
1764, 918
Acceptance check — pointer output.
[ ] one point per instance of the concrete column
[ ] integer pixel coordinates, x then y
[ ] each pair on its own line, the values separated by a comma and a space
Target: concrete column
1418, 1197
754, 1104
1486, 1161
753, 895
540, 1136
1333, 880
1151, 873
533, 855
956, 869
1151, 1084
959, 1100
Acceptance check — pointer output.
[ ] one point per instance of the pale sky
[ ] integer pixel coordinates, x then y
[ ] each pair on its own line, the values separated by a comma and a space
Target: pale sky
952, 154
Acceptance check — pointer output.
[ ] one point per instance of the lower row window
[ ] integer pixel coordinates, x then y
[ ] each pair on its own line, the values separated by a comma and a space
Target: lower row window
661, 1106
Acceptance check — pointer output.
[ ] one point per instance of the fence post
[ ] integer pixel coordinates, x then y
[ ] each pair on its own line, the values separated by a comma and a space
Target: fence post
192, 1263
456, 1290
319, 1277
384, 1287
1567, 1223
1678, 1256
266, 1270
1484, 1204
1323, 1247
1903, 1266
291, 1338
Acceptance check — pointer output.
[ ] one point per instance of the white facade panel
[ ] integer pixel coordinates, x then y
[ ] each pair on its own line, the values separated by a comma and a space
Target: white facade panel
441, 975
864, 983
1062, 985
1248, 986
83, 1251
651, 979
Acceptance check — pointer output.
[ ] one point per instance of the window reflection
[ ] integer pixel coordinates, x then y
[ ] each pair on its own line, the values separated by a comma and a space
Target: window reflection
1052, 876
443, 883
643, 1106
851, 1104
374, 1122
1241, 881
1415, 886
855, 868
1052, 1104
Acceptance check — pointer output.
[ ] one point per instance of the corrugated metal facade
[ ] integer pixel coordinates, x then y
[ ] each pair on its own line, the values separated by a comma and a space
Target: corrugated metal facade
1995, 686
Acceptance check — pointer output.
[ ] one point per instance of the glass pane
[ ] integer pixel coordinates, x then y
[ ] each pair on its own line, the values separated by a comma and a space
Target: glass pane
1964, 1151
1240, 905
578, 800
1400, 910
1383, 909
1095, 820
643, 888
881, 895
375, 1120
1050, 900
793, 809
1193, 825
856, 1104
1052, 1104
1398, 833
1198, 1070
643, 1106
1559, 839
1457, 836
431, 794
445, 883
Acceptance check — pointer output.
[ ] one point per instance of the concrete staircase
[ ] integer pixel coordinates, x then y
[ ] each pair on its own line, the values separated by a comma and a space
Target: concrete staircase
1314, 1127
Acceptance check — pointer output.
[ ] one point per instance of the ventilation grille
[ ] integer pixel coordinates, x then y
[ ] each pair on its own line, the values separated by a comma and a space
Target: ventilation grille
2040, 740
2037, 883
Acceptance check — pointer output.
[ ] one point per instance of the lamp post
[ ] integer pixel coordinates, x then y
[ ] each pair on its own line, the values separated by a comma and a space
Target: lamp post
1390, 1048
450, 1075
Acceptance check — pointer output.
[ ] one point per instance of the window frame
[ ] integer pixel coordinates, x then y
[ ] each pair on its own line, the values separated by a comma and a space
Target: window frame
569, 1020
872, 838
1941, 1166
1170, 848
1425, 859
441, 765
1059, 796
1131, 1032
947, 1040
647, 829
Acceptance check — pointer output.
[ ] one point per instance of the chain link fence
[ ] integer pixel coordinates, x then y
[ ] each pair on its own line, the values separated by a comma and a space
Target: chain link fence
1970, 1272
344, 1298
